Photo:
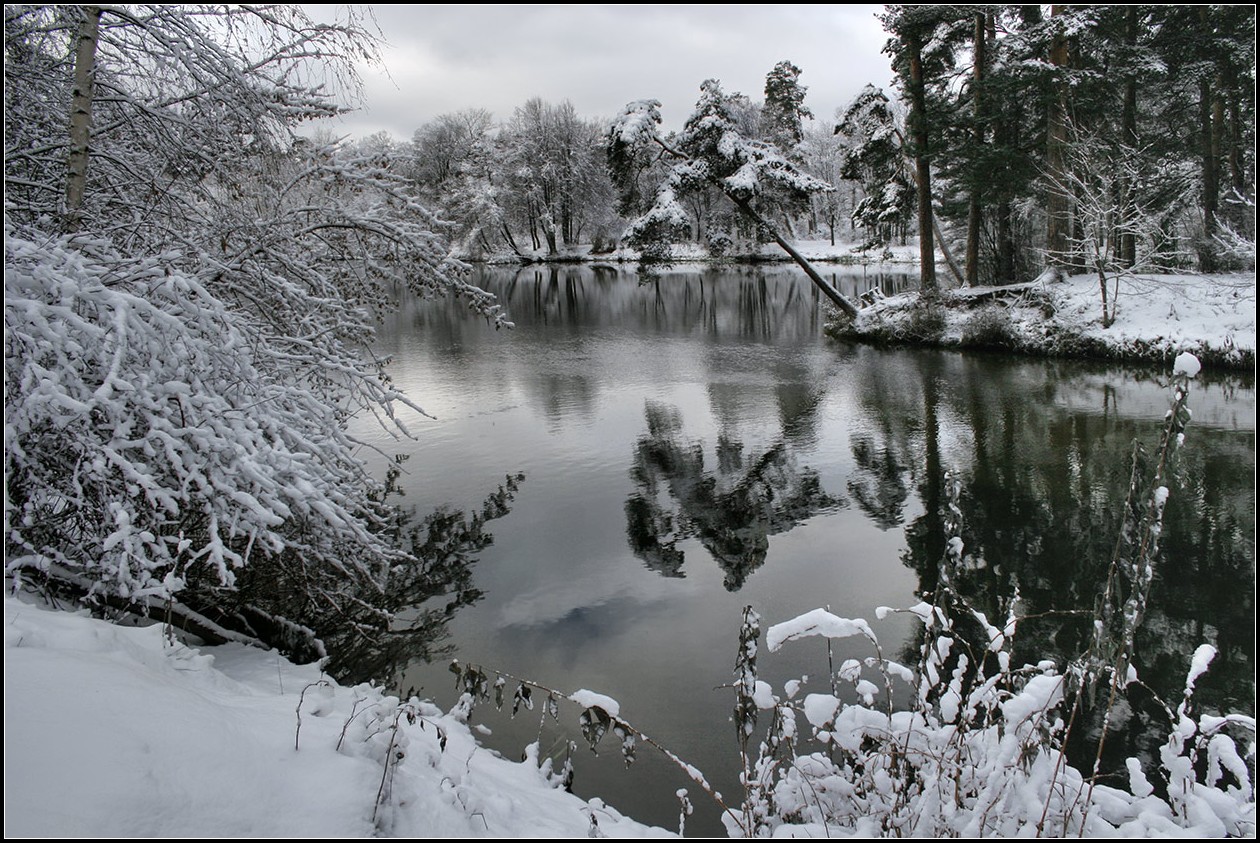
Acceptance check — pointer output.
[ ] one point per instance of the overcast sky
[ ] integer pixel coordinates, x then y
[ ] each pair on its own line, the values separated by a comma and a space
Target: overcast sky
446, 58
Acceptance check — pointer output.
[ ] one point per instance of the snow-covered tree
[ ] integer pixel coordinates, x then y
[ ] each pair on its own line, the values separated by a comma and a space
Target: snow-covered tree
822, 155
874, 157
186, 337
551, 161
784, 106
710, 153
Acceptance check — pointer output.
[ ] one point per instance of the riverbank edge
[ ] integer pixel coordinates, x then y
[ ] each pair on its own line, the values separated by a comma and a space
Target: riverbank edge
1023, 319
614, 259
971, 319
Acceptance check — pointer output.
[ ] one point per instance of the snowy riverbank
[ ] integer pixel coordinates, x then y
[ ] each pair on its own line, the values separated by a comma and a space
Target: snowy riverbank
111, 731
1155, 318
819, 251
116, 731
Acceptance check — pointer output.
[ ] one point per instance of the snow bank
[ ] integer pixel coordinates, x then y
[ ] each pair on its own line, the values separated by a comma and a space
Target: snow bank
112, 731
1195, 319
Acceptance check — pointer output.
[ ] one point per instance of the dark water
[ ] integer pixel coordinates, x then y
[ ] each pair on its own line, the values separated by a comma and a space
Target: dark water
695, 445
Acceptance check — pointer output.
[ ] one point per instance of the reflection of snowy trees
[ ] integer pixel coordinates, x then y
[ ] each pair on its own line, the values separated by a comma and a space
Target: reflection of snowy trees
1041, 504
423, 596
732, 510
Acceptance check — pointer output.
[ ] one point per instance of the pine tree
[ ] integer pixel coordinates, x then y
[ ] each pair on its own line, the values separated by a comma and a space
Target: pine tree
784, 106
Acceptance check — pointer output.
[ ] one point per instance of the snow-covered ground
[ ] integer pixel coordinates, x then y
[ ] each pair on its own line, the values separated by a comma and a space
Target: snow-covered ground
118, 731
1156, 317
113, 731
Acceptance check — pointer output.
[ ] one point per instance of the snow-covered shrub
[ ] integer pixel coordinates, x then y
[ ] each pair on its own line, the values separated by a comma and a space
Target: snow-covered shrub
990, 327
184, 349
926, 322
148, 449
1237, 241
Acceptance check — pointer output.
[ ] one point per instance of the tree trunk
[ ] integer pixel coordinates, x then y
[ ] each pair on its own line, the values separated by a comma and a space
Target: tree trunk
972, 260
81, 114
549, 231
511, 241
1058, 204
1005, 245
836, 297
1128, 133
1237, 173
923, 165
1211, 189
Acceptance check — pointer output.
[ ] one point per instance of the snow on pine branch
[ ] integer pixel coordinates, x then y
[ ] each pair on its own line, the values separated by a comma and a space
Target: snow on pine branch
637, 124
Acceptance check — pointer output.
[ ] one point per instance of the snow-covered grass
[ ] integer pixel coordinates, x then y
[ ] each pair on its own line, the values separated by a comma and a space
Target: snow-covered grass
113, 731
1156, 318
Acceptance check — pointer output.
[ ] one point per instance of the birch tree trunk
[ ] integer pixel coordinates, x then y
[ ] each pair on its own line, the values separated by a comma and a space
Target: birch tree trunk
81, 114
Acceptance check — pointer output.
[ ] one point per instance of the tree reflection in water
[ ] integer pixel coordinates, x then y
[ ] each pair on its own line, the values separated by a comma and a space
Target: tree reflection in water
1044, 452
732, 511
423, 596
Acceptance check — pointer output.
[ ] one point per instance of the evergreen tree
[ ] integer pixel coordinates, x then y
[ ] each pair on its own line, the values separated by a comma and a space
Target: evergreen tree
874, 157
784, 106
710, 153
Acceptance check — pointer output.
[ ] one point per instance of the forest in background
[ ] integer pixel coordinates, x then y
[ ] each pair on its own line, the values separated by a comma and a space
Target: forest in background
1018, 136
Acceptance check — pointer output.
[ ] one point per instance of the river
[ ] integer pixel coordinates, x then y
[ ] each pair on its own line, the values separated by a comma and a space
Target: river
692, 444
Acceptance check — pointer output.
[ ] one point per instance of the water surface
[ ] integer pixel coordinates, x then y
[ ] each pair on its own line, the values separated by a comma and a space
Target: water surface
694, 445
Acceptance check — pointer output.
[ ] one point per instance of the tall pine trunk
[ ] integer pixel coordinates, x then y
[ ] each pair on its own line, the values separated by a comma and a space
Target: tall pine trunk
1058, 205
977, 136
1128, 133
1209, 141
923, 168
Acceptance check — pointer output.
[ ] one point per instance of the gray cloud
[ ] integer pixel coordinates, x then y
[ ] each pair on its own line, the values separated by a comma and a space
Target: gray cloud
444, 58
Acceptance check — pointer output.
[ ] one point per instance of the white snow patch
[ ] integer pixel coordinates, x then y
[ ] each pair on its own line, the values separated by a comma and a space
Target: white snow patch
111, 731
817, 622
1199, 664
590, 699
1041, 692
820, 709
763, 696
1186, 364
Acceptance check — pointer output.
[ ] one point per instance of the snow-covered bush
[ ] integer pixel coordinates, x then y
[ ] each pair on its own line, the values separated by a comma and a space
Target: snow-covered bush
990, 327
146, 444
186, 342
153, 450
